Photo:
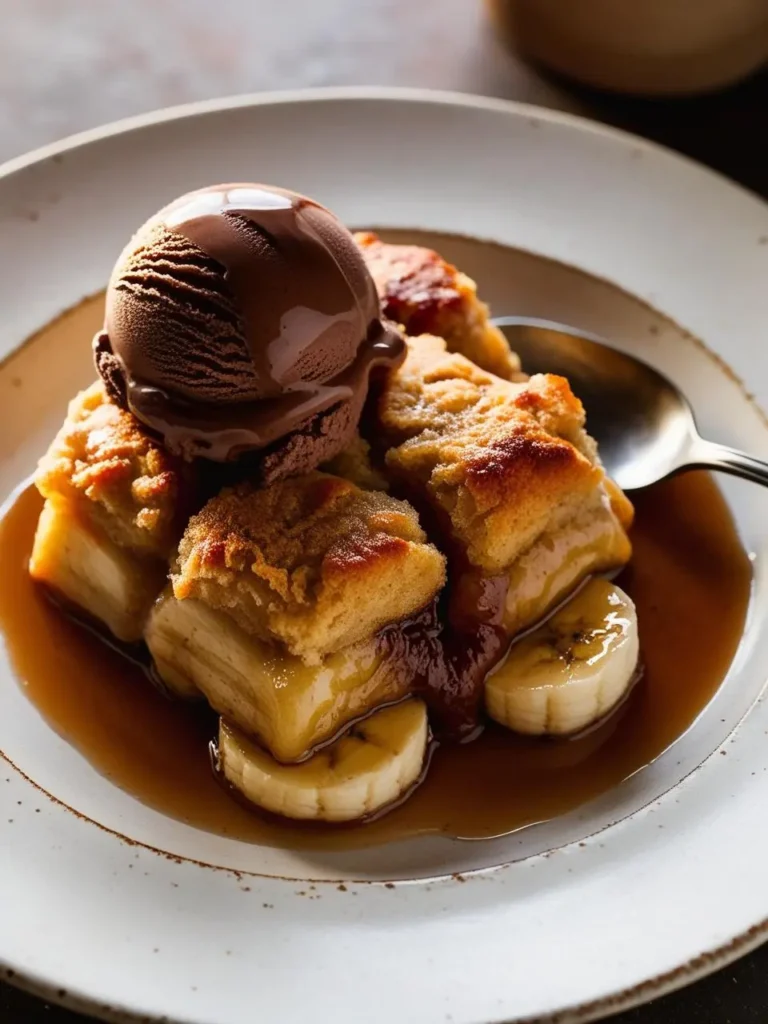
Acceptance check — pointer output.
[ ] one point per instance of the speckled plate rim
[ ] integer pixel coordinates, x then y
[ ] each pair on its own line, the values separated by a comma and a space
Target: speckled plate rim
468, 896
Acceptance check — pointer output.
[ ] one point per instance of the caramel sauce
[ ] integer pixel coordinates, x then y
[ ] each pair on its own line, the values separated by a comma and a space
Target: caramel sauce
689, 577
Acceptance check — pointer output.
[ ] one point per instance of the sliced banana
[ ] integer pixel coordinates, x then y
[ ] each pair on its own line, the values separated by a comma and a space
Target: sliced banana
572, 670
369, 767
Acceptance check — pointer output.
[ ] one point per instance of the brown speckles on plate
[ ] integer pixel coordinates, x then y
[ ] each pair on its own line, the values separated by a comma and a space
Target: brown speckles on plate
654, 987
173, 858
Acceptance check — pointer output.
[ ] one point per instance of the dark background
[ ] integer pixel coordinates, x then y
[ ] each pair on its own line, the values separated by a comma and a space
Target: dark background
66, 66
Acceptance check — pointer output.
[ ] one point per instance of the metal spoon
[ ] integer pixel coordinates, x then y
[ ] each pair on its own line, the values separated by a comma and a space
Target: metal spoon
642, 423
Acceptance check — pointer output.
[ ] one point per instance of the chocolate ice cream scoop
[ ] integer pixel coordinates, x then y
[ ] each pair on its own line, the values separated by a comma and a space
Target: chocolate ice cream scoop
242, 318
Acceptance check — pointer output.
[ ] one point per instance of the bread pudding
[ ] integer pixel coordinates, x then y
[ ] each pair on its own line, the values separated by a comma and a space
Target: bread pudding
333, 510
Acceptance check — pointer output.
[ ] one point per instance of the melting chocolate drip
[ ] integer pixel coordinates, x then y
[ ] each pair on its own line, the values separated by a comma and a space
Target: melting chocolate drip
448, 651
452, 645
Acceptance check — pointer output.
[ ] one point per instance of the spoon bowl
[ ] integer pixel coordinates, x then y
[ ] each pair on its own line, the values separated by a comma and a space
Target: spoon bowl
643, 424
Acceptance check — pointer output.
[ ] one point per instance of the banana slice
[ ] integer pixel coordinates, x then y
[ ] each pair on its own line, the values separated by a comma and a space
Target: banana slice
572, 670
369, 767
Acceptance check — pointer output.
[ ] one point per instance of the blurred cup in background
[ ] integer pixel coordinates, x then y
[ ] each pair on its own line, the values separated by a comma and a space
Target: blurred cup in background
645, 47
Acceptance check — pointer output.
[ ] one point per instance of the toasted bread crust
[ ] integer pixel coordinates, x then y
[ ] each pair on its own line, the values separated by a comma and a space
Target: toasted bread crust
103, 460
428, 295
312, 562
505, 461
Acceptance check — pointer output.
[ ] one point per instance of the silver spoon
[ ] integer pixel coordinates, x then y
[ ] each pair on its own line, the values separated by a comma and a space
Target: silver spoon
642, 423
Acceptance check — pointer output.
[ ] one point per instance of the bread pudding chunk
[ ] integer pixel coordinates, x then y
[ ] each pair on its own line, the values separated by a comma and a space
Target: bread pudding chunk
293, 606
428, 295
116, 504
313, 563
509, 473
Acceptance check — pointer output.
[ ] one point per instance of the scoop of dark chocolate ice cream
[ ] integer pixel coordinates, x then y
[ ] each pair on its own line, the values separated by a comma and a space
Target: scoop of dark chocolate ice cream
242, 318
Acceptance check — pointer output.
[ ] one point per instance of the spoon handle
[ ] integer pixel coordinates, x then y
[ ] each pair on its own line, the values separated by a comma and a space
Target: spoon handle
730, 460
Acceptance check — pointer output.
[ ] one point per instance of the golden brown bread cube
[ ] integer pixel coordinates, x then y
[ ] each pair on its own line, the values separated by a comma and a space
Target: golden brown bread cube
313, 563
591, 541
104, 461
428, 295
115, 506
507, 465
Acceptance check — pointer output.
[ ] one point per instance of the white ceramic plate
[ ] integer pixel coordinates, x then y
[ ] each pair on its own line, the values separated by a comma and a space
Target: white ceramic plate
657, 882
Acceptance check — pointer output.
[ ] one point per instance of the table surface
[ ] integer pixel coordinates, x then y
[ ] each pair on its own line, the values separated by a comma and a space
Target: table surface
69, 66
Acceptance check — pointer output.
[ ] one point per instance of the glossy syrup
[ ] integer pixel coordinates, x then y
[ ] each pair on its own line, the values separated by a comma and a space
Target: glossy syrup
689, 577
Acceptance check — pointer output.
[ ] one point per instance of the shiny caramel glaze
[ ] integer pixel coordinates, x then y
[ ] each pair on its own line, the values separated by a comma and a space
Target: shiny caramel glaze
689, 577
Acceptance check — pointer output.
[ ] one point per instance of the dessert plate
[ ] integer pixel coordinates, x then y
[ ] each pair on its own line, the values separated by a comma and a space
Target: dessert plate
113, 908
